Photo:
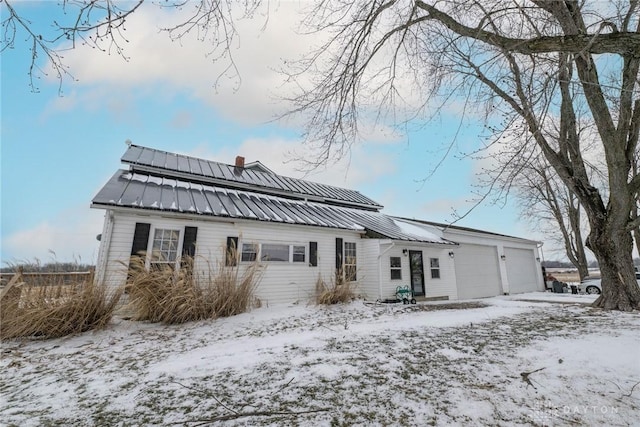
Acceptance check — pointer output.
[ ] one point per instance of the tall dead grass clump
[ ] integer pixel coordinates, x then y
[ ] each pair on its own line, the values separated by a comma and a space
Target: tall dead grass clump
337, 291
53, 310
172, 297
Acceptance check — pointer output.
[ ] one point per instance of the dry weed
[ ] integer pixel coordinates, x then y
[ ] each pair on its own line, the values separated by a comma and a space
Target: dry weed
169, 296
54, 310
337, 291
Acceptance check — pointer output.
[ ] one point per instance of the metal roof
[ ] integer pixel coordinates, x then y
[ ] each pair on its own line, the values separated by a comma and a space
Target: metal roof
172, 165
127, 189
444, 227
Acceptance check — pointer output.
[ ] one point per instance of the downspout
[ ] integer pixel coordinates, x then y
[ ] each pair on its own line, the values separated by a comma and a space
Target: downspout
540, 259
105, 246
380, 268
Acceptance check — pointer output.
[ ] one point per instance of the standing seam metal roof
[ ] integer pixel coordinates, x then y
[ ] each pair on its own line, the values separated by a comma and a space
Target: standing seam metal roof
134, 190
149, 160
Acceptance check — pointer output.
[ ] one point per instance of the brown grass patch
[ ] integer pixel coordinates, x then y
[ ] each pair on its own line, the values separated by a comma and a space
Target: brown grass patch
337, 291
52, 311
168, 296
449, 306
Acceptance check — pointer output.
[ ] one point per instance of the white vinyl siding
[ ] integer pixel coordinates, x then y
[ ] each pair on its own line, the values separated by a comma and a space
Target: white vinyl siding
281, 282
475, 270
443, 288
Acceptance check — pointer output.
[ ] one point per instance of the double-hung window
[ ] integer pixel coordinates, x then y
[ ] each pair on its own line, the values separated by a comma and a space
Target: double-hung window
435, 267
395, 263
164, 248
249, 252
350, 261
299, 253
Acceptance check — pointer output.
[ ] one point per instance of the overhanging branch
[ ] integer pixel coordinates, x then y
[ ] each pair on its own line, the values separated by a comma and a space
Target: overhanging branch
622, 43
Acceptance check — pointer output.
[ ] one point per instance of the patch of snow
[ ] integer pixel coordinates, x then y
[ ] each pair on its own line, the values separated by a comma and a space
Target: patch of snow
419, 231
367, 364
169, 182
183, 184
138, 177
154, 180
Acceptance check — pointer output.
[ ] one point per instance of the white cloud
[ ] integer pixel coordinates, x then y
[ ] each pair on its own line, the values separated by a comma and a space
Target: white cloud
367, 162
188, 66
69, 236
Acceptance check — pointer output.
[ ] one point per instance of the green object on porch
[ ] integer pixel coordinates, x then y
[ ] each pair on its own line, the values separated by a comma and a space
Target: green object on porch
405, 294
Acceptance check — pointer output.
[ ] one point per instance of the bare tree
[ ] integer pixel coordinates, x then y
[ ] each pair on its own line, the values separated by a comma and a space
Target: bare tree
555, 210
525, 64
102, 25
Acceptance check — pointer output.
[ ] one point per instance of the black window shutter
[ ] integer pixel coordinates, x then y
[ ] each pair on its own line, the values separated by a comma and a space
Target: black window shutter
338, 253
231, 255
189, 245
140, 242
313, 254
189, 241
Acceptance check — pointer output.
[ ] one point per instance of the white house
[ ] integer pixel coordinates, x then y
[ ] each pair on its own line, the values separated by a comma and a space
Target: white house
168, 205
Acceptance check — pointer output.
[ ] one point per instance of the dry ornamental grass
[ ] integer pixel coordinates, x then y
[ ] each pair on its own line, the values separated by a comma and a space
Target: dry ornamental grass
55, 310
337, 291
169, 296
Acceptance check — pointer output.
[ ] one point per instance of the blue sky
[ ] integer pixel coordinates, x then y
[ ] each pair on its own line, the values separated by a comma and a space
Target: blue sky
59, 149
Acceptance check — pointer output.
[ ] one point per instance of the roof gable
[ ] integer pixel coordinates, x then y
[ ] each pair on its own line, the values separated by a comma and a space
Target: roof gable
253, 178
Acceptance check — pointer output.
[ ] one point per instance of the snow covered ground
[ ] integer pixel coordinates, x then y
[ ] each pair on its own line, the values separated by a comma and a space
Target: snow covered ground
533, 359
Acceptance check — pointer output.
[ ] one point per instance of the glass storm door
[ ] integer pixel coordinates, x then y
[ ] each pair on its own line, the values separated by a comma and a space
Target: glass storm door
417, 273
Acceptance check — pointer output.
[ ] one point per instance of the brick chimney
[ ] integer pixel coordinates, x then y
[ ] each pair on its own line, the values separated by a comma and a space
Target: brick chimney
239, 162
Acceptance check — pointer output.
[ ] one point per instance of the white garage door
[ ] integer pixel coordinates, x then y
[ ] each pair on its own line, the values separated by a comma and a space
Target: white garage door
477, 271
521, 270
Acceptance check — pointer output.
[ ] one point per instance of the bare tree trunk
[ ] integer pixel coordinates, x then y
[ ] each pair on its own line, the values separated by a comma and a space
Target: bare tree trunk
620, 289
577, 252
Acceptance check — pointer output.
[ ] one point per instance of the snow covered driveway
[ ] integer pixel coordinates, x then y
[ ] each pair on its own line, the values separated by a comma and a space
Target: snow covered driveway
518, 360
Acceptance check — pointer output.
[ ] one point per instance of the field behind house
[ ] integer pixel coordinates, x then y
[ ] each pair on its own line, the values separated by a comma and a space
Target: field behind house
534, 359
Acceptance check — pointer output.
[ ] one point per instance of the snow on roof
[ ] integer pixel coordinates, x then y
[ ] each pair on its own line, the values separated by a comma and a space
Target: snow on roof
418, 230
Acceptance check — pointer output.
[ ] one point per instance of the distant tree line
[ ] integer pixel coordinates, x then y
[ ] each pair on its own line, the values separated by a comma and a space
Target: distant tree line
50, 267
568, 264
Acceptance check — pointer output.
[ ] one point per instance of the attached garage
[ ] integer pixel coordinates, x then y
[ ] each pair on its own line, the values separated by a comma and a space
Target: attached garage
490, 264
477, 271
521, 270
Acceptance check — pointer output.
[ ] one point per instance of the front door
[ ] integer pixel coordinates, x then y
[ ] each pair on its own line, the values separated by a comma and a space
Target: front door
417, 273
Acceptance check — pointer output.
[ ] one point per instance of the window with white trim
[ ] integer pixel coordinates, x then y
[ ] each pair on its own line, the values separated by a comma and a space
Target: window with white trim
299, 253
435, 267
395, 264
164, 248
274, 252
350, 261
249, 252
